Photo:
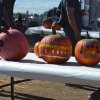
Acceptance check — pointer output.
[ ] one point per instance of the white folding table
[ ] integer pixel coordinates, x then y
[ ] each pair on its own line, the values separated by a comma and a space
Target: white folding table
42, 30
32, 67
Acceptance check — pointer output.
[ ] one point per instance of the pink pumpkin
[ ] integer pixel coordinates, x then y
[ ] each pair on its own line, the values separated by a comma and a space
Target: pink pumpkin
13, 45
55, 49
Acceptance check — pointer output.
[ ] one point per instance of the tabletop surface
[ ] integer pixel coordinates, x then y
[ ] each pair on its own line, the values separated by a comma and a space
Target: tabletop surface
32, 67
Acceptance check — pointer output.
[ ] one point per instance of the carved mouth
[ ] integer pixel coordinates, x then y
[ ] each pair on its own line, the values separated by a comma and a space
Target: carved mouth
59, 57
90, 55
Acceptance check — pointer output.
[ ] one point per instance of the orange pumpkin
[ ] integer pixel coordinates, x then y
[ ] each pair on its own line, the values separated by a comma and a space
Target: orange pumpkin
87, 52
55, 49
48, 24
57, 26
13, 45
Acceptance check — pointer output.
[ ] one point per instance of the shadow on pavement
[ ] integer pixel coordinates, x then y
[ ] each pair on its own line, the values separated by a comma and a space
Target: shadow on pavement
23, 96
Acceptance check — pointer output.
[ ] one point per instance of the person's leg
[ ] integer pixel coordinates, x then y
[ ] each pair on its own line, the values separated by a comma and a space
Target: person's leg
70, 34
8, 12
95, 95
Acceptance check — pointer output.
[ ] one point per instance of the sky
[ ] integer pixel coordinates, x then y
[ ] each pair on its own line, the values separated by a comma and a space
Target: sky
35, 6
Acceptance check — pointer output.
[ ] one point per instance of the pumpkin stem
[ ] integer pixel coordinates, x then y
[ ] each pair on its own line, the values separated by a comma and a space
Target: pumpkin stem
87, 35
99, 34
53, 28
4, 29
42, 33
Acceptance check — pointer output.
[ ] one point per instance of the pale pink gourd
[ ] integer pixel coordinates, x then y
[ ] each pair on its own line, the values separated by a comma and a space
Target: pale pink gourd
13, 45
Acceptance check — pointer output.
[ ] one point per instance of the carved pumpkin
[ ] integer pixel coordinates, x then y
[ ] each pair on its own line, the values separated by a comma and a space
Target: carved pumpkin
13, 45
55, 48
87, 52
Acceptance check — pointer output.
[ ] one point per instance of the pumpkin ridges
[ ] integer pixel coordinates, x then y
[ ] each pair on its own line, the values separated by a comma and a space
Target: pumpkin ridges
55, 40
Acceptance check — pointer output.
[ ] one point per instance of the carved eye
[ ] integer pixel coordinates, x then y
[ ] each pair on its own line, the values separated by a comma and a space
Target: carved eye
98, 51
81, 49
97, 47
92, 46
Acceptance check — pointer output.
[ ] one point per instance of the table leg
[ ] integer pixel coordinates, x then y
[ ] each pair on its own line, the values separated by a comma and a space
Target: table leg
12, 88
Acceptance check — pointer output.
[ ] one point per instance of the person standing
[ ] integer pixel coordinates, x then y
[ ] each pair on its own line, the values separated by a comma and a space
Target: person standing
71, 19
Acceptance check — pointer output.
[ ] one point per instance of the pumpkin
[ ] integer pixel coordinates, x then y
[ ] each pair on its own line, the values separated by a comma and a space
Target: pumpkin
54, 48
48, 24
36, 49
87, 52
13, 45
57, 25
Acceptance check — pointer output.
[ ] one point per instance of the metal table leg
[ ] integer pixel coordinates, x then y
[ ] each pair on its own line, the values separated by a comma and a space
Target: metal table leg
12, 88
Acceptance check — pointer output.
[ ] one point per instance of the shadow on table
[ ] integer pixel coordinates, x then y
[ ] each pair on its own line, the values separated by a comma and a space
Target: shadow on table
23, 96
74, 64
32, 61
71, 64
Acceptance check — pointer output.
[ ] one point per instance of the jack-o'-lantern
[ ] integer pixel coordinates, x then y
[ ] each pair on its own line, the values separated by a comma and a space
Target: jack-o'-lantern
87, 52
